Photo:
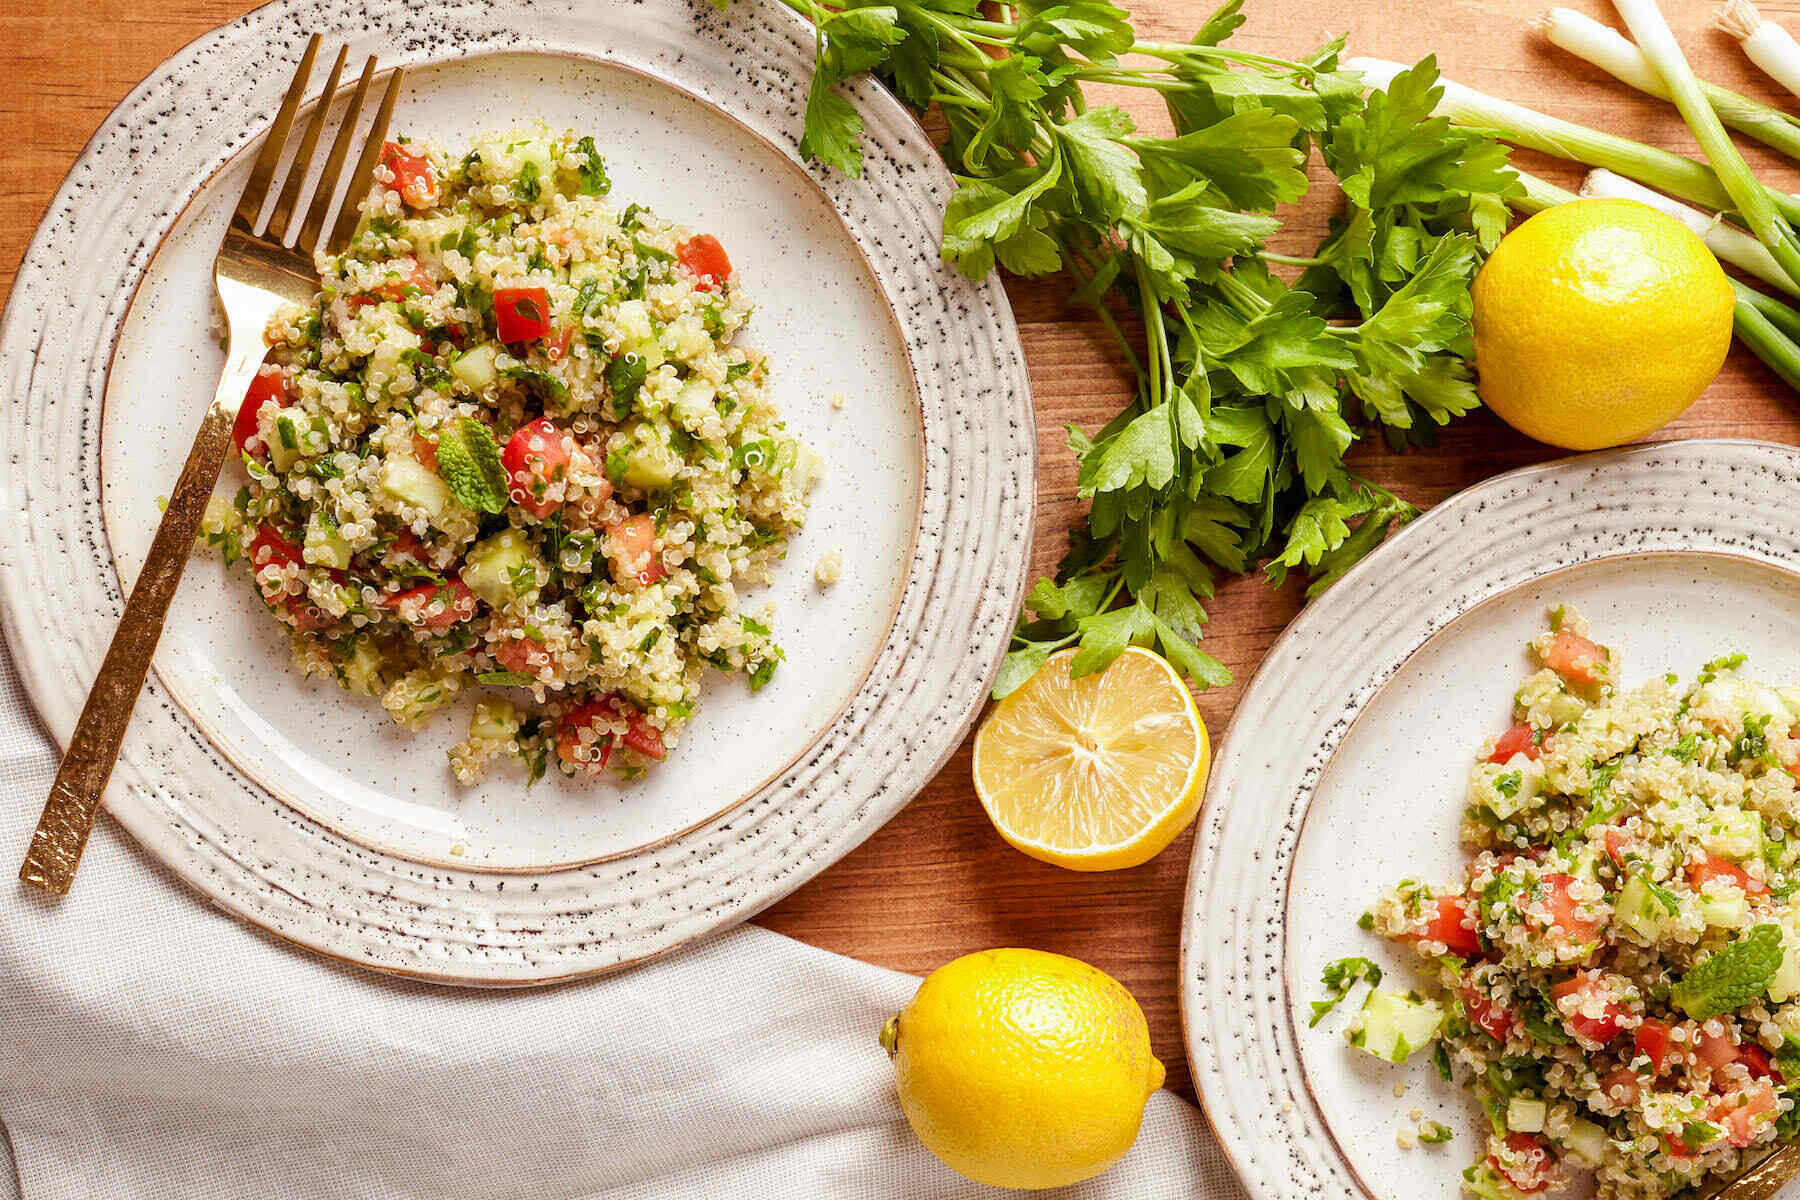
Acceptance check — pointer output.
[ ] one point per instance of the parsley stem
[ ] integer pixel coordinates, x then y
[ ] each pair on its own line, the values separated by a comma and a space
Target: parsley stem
1294, 260
1183, 51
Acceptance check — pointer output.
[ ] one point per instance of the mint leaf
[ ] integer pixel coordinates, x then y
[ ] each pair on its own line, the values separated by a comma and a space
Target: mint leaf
469, 461
1731, 977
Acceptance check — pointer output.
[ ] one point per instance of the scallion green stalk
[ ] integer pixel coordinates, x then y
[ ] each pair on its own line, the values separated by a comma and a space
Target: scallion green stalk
1765, 43
1608, 49
1726, 241
1653, 35
1671, 173
1755, 330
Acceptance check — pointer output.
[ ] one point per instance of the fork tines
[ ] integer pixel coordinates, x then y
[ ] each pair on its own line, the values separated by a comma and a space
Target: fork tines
262, 175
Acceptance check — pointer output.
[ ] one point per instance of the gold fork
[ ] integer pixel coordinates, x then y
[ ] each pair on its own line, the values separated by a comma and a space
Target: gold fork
1762, 1180
256, 274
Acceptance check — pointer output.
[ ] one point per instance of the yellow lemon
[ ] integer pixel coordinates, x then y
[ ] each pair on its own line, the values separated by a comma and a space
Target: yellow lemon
1094, 773
1598, 321
1023, 1069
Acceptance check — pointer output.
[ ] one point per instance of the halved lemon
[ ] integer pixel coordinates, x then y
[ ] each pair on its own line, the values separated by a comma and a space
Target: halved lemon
1096, 773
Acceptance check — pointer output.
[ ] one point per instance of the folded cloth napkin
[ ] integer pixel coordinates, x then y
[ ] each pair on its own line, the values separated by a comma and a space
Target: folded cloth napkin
152, 1046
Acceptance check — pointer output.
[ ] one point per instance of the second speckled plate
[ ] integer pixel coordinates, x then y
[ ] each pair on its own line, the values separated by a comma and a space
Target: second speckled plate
1345, 765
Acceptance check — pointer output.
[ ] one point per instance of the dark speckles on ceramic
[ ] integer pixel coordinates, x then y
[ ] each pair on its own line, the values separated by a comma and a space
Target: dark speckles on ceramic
1344, 765
288, 872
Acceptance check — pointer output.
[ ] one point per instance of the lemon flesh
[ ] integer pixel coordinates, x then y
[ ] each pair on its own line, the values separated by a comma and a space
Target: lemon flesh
1598, 321
1095, 773
1023, 1069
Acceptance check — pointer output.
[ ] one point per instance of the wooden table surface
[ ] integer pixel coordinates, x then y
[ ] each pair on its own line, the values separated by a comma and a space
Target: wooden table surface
937, 881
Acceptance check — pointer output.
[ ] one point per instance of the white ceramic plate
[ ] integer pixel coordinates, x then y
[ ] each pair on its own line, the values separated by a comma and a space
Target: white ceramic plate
302, 807
1344, 768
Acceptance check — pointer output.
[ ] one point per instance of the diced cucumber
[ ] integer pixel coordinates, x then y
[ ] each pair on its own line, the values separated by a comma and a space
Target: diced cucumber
362, 670
1734, 833
494, 720
1785, 983
694, 403
1394, 1024
650, 463
287, 427
1586, 1141
1526, 1115
581, 272
325, 546
633, 319
416, 695
1508, 788
476, 370
493, 566
384, 363
409, 482
1639, 910
1484, 1183
1727, 910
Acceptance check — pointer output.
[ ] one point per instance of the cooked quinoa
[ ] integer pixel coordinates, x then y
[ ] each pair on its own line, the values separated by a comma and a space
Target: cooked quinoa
1617, 976
514, 445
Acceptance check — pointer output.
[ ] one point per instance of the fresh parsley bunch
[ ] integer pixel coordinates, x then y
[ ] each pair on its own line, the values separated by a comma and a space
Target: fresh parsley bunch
1250, 388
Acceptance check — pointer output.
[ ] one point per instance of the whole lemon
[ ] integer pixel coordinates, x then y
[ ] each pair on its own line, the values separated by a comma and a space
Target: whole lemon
1598, 321
1023, 1069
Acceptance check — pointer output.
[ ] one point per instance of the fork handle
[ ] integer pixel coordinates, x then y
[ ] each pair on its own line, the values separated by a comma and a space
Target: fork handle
68, 817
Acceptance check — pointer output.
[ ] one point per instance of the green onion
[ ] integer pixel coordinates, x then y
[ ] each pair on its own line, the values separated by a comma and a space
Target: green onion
1765, 43
1606, 48
1758, 332
1645, 21
1726, 241
1683, 177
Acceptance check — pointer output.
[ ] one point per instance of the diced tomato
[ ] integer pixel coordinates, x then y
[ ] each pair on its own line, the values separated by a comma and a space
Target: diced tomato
536, 460
1716, 869
413, 177
1576, 659
1652, 1040
521, 314
269, 384
433, 606
1756, 1060
1603, 1028
640, 735
268, 548
1617, 843
425, 450
634, 551
1520, 739
524, 655
1532, 1173
1446, 923
1624, 1082
1492, 1019
1716, 1050
558, 345
407, 545
705, 257
1742, 1122
1563, 910
1677, 1147
394, 287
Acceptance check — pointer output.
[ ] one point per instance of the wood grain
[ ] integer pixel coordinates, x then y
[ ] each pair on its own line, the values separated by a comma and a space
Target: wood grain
937, 881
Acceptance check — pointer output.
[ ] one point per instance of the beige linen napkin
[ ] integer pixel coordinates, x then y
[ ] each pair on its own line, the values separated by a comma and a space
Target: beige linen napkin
152, 1047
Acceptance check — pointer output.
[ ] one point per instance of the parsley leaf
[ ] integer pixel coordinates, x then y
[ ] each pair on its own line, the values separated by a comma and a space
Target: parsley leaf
1339, 977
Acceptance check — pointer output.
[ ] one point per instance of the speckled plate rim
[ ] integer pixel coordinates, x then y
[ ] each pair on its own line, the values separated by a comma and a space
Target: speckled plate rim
1256, 1094
286, 873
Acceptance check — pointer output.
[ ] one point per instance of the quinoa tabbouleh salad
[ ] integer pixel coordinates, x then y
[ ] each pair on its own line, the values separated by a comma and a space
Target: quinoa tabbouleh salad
1617, 977
513, 444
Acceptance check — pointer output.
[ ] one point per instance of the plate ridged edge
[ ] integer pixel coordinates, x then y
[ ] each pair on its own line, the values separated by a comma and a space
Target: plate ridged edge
59, 598
1724, 496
